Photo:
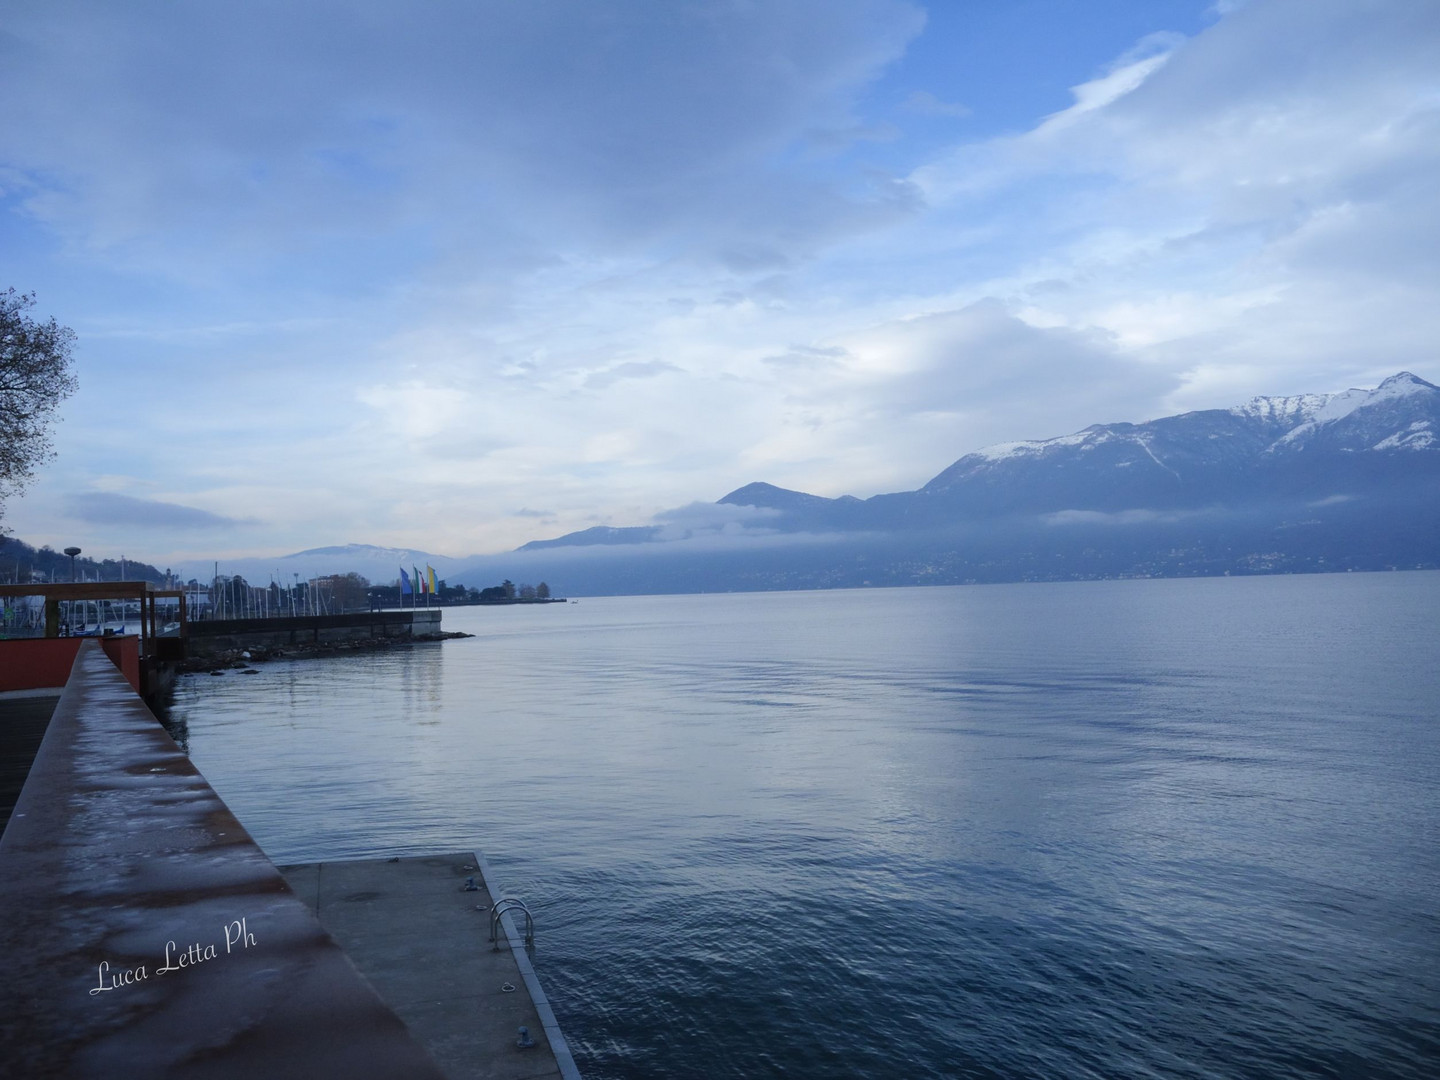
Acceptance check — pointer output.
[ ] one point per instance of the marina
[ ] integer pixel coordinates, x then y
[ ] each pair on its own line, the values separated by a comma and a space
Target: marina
42, 632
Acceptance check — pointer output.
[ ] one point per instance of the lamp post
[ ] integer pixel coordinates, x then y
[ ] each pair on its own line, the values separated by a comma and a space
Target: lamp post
72, 552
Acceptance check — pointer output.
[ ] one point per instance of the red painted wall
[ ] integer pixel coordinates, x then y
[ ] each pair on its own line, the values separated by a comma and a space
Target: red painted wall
40, 663
124, 653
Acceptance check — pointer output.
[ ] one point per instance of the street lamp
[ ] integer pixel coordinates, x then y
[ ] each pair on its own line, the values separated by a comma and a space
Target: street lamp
72, 552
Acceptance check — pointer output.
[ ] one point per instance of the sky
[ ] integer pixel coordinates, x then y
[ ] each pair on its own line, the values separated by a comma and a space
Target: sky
458, 275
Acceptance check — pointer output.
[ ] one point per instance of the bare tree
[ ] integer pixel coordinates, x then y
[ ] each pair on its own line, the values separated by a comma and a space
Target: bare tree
35, 377
350, 591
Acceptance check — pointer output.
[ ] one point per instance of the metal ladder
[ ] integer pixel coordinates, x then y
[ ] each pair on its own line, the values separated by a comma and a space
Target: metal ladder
501, 907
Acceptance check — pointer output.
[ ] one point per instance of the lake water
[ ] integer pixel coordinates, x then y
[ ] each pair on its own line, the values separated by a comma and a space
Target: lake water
1116, 829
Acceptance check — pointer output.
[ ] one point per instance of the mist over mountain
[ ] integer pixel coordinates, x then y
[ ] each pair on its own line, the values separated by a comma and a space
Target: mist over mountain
381, 565
1270, 450
1316, 482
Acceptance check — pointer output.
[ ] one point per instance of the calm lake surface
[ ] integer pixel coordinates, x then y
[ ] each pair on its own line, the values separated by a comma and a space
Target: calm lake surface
1115, 829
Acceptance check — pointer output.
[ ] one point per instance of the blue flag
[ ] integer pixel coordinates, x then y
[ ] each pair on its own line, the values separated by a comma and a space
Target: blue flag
405, 589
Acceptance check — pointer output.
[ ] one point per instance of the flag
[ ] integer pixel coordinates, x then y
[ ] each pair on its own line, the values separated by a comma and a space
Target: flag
405, 589
431, 571
420, 581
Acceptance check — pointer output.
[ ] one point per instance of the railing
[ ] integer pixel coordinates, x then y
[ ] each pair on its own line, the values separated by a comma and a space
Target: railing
504, 906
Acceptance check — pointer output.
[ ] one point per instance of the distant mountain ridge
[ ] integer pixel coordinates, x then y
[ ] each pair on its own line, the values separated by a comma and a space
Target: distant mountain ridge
1306, 446
600, 534
1379, 419
1310, 482
1349, 480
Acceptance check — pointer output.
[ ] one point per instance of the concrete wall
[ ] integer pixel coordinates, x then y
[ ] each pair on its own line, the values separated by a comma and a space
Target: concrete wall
213, 637
44, 663
124, 653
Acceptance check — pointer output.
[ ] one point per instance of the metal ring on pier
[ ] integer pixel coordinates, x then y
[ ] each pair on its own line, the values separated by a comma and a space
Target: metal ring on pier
501, 907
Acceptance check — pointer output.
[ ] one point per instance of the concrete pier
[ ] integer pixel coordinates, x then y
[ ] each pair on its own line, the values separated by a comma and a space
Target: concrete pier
145, 934
211, 637
421, 940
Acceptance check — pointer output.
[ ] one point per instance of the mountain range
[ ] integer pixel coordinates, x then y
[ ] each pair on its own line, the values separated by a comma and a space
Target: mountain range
1315, 482
1272, 449
1346, 481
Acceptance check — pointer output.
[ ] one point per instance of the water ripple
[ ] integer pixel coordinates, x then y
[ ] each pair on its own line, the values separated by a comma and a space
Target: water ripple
1129, 829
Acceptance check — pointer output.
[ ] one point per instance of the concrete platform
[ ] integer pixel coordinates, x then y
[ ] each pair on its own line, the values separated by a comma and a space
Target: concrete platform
418, 938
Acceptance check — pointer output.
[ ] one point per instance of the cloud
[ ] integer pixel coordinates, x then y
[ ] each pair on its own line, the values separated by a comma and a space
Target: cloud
701, 519
307, 124
979, 374
701, 526
387, 263
1120, 518
632, 369
699, 543
807, 357
1247, 209
107, 508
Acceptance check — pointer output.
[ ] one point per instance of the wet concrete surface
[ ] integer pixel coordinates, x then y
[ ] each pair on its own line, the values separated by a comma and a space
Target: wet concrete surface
145, 934
421, 940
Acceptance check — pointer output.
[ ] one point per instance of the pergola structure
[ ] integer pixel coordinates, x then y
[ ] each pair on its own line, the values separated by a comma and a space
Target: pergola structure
144, 591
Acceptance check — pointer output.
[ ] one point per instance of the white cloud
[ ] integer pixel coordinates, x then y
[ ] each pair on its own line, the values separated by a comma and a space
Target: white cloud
1247, 210
396, 274
631, 369
701, 519
307, 126
1120, 518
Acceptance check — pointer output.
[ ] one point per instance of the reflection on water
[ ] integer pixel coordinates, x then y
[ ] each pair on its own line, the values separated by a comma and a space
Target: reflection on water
1172, 828
174, 721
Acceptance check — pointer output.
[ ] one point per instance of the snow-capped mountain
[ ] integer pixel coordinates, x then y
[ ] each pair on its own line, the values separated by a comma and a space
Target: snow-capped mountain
1346, 481
1302, 447
1269, 451
1401, 414
1310, 482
